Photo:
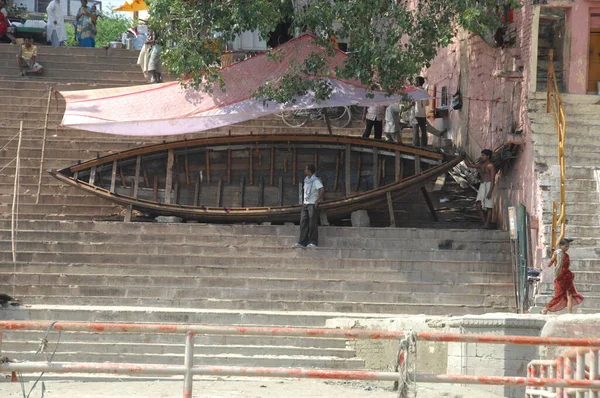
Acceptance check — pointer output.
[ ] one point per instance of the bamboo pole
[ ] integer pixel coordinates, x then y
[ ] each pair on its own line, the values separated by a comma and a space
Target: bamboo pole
13, 232
39, 188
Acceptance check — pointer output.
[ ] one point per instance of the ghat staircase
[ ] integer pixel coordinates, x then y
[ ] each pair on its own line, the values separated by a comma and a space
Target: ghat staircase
71, 265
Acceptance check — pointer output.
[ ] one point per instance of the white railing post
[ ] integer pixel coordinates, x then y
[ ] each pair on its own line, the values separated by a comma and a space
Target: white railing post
580, 372
552, 375
594, 370
188, 379
560, 372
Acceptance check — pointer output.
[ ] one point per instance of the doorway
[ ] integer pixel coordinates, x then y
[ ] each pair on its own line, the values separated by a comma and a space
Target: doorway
594, 61
551, 36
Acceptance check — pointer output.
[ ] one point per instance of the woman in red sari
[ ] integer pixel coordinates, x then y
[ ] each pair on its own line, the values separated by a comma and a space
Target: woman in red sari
565, 294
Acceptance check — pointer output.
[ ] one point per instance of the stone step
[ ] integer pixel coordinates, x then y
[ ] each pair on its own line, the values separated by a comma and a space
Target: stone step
187, 254
166, 296
233, 230
61, 240
568, 98
82, 64
70, 52
206, 278
123, 339
63, 77
202, 350
73, 209
408, 307
57, 73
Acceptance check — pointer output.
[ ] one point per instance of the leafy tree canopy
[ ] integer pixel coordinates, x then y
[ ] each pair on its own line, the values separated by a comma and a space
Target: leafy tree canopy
390, 41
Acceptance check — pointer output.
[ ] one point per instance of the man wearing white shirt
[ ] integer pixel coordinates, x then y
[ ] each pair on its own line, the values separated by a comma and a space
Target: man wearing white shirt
309, 218
419, 119
56, 33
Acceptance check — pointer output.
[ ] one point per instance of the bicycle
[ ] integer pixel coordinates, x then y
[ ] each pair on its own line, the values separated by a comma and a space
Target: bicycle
339, 116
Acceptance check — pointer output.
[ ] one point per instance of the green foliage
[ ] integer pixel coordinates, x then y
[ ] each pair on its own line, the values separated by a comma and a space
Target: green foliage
389, 41
109, 27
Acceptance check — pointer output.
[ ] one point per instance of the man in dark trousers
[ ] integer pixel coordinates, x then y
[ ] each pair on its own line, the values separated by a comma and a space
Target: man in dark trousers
484, 200
309, 218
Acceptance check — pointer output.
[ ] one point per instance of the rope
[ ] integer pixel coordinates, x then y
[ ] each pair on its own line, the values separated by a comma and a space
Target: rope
407, 364
42, 348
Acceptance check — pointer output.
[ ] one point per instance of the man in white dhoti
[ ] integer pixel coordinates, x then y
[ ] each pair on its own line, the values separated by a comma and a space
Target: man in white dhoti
56, 33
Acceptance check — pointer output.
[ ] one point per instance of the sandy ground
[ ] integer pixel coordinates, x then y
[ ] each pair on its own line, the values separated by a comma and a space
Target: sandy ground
230, 388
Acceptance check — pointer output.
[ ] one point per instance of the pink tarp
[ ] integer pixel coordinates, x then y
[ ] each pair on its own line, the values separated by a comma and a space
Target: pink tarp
168, 108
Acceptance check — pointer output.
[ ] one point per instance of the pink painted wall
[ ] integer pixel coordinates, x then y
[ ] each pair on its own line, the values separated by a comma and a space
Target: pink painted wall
493, 107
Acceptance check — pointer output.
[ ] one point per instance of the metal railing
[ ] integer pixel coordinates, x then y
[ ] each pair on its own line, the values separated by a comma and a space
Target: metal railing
577, 364
189, 369
554, 103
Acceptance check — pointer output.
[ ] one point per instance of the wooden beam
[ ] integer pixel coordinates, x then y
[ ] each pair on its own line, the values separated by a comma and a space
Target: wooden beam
229, 166
417, 164
128, 213
187, 171
220, 192
169, 179
280, 192
429, 204
316, 159
251, 166
93, 176
113, 177
155, 190
146, 180
259, 155
123, 180
241, 192
284, 139
336, 175
347, 171
375, 167
197, 190
358, 171
208, 167
285, 165
397, 165
327, 122
390, 204
294, 165
261, 192
136, 178
382, 171
401, 170
272, 167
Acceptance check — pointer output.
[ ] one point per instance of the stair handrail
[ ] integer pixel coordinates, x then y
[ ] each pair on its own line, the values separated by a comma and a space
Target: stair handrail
554, 103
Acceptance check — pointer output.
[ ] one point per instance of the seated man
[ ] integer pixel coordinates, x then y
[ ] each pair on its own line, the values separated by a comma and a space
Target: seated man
26, 58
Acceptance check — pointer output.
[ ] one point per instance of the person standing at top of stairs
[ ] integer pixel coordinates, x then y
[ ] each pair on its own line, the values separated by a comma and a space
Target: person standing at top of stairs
486, 188
309, 218
56, 33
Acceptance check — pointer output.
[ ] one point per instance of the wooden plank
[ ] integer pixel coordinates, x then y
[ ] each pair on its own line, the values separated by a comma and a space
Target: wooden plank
261, 192
347, 171
242, 189
439, 183
123, 180
186, 170
390, 204
155, 190
375, 167
259, 155
251, 166
208, 167
93, 176
169, 179
429, 204
294, 165
285, 165
76, 175
220, 192
280, 192
417, 164
146, 179
397, 165
229, 166
196, 190
272, 167
358, 171
128, 213
382, 171
136, 177
401, 170
283, 138
113, 177
316, 160
336, 175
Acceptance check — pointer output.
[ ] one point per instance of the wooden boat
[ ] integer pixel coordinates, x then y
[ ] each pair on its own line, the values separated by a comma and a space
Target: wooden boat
256, 178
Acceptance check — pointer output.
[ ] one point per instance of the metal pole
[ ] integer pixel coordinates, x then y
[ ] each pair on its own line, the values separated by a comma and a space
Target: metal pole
188, 363
37, 197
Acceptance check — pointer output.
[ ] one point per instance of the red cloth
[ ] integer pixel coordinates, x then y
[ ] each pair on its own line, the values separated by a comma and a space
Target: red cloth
563, 284
3, 24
